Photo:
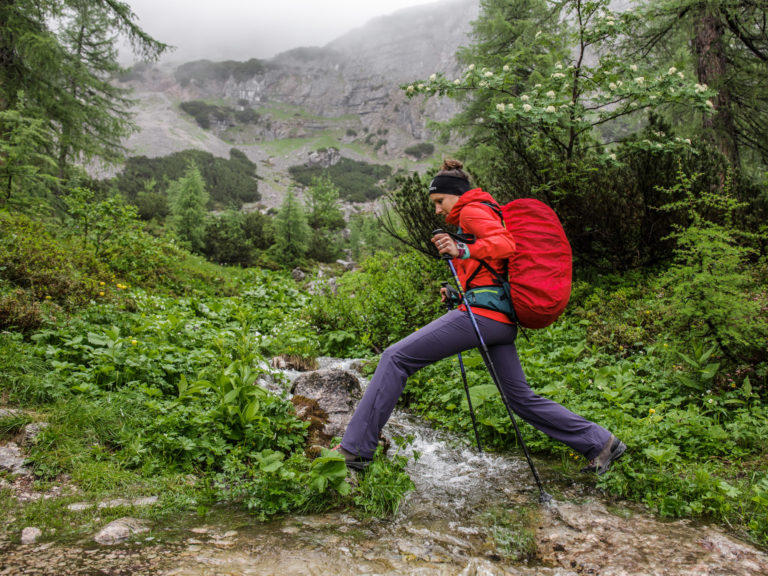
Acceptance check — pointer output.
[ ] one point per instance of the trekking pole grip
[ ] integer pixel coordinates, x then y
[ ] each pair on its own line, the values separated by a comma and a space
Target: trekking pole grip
435, 233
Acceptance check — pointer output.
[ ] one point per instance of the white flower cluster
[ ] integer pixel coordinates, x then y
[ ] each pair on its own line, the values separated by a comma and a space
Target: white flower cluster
558, 75
672, 70
550, 109
551, 94
700, 88
433, 77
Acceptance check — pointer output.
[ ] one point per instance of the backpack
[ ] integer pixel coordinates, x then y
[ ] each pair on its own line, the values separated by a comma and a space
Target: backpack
539, 273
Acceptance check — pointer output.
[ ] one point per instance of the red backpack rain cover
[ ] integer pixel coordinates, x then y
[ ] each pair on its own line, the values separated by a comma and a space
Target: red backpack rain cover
540, 270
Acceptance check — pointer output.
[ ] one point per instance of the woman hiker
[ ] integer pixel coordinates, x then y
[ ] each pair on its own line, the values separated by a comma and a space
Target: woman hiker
462, 205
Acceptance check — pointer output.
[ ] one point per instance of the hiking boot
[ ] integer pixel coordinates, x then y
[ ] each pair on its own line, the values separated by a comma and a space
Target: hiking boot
353, 462
612, 451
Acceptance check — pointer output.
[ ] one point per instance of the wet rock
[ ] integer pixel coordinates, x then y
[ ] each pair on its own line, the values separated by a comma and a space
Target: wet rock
482, 568
308, 410
337, 392
30, 535
298, 274
12, 459
589, 539
117, 502
31, 432
346, 265
120, 530
293, 362
10, 413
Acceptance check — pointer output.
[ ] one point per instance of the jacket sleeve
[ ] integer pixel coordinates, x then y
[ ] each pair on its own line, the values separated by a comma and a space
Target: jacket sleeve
494, 242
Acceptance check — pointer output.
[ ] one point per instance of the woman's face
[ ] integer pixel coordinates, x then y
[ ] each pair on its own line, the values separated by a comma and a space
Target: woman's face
444, 203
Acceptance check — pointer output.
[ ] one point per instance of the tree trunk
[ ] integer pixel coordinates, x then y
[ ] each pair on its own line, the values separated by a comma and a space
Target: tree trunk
711, 69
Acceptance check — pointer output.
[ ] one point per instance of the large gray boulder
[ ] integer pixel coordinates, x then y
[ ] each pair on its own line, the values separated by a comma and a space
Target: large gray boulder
337, 392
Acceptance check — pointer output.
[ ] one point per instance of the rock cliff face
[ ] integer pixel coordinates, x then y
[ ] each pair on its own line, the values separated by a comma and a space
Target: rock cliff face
356, 78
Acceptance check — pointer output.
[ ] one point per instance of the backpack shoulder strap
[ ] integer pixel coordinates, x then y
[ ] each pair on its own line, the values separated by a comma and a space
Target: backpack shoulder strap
483, 264
497, 209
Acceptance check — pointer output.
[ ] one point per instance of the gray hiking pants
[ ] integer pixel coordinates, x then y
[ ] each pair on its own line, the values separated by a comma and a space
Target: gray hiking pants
446, 336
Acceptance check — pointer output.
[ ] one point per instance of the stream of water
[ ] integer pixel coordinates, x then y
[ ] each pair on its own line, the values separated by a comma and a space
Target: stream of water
470, 514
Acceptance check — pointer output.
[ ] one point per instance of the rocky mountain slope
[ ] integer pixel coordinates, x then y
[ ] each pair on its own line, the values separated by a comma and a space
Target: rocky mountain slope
346, 94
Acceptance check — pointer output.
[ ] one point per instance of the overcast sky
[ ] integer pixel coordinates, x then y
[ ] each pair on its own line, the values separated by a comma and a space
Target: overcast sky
242, 29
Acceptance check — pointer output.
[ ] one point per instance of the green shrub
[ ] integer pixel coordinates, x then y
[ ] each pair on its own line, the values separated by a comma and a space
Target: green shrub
357, 181
230, 182
205, 71
33, 260
710, 293
384, 484
420, 150
386, 300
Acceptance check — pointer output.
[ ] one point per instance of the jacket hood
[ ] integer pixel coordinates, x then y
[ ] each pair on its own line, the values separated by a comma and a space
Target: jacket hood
474, 195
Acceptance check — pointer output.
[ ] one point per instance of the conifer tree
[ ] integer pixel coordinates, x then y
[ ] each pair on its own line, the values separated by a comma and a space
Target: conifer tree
22, 150
188, 199
292, 231
61, 54
325, 219
728, 45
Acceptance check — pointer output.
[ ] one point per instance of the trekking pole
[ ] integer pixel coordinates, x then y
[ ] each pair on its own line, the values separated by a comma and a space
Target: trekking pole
449, 305
543, 496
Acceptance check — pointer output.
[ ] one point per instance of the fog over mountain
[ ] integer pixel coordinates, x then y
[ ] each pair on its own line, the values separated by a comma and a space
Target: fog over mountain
242, 29
347, 92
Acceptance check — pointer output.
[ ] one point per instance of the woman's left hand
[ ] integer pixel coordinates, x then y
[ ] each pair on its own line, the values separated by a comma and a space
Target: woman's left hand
445, 245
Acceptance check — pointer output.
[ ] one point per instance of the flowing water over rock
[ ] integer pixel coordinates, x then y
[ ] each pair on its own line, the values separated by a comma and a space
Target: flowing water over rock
471, 514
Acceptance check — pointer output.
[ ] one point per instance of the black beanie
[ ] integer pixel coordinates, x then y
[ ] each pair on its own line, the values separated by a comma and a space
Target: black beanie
449, 185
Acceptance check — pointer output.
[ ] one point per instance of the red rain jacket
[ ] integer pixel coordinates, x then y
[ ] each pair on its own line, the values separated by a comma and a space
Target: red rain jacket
494, 244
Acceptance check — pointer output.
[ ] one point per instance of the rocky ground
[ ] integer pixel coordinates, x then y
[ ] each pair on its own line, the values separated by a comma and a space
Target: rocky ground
454, 523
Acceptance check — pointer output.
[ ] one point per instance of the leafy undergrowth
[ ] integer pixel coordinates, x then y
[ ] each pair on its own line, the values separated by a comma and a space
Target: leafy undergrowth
153, 385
